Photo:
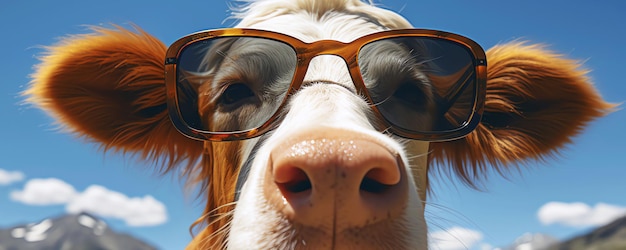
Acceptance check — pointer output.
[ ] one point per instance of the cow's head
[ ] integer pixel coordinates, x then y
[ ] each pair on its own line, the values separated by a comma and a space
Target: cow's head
313, 124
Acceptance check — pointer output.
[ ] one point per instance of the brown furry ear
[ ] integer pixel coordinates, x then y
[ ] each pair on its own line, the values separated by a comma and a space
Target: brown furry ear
536, 102
109, 86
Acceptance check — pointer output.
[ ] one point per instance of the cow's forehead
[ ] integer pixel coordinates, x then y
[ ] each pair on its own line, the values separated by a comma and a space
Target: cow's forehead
332, 26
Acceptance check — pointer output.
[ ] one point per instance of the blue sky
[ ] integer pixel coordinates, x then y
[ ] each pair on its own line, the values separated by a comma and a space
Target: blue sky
589, 171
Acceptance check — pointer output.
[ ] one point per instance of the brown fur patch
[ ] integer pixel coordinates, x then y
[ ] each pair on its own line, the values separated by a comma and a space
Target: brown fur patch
219, 176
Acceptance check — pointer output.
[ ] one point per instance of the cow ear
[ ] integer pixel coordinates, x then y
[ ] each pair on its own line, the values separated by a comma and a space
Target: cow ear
536, 102
109, 86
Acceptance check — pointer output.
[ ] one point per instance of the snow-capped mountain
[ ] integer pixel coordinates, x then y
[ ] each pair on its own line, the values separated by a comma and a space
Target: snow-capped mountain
69, 232
611, 236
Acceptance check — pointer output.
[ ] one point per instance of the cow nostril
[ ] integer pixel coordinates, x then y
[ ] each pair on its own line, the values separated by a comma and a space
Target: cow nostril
372, 186
297, 186
295, 181
378, 180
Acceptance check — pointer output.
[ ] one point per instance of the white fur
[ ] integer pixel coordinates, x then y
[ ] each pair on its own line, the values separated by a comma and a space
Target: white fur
326, 101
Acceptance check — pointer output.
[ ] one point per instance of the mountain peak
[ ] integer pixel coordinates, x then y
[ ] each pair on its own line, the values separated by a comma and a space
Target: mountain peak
71, 231
609, 236
98, 226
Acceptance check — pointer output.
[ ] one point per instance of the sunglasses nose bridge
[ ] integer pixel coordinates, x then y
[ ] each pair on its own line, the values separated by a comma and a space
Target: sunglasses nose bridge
329, 61
328, 47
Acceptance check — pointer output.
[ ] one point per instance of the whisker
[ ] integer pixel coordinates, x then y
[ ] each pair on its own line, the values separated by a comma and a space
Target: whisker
424, 61
219, 236
386, 130
438, 220
221, 232
382, 101
420, 155
234, 203
453, 212
224, 55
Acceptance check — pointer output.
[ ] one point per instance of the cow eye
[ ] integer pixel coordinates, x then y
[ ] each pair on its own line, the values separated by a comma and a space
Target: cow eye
411, 95
237, 95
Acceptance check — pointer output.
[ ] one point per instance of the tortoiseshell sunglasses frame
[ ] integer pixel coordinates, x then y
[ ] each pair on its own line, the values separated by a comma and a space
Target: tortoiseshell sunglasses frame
305, 52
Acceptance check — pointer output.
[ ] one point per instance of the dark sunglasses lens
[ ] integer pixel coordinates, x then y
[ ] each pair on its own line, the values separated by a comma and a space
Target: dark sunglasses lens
420, 84
233, 84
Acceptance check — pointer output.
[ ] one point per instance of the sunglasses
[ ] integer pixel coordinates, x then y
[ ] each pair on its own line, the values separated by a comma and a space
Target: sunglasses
233, 84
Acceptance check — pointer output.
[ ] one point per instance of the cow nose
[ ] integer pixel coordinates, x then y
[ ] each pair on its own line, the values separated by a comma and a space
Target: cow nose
336, 178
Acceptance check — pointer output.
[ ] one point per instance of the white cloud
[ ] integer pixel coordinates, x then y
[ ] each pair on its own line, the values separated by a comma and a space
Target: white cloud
579, 214
486, 246
454, 238
97, 200
42, 192
135, 211
8, 177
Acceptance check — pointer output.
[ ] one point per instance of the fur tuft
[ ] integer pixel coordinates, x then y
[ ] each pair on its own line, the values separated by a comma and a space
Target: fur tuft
252, 12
